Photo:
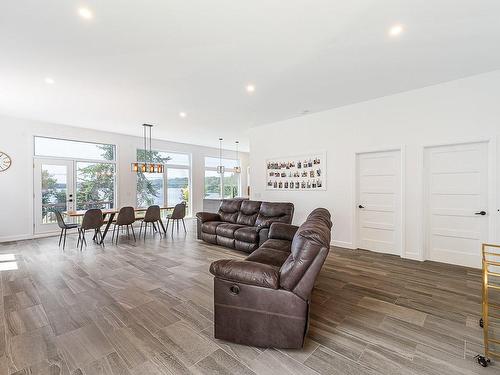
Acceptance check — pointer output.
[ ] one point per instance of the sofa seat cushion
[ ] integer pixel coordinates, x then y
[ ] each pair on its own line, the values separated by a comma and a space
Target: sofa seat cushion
227, 229
247, 247
282, 245
269, 256
247, 234
210, 226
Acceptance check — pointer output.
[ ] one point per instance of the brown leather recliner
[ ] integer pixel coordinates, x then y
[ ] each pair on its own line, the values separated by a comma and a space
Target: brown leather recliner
264, 300
242, 224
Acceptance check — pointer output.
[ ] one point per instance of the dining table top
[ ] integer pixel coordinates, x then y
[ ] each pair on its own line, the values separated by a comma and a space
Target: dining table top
108, 211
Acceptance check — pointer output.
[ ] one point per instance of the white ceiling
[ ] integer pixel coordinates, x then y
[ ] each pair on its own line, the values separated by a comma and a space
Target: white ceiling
145, 61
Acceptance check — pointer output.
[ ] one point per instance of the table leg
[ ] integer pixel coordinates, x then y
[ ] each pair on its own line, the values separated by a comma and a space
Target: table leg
110, 220
163, 226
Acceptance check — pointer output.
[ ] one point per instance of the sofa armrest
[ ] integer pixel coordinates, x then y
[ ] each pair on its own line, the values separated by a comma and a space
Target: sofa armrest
246, 272
207, 216
281, 231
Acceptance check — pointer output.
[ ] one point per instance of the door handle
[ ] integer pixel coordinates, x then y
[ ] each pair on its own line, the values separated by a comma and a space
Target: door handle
70, 200
360, 206
482, 213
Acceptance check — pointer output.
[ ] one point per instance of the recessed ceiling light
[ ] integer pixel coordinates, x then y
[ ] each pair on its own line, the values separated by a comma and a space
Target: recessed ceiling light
182, 114
49, 81
85, 13
396, 30
250, 88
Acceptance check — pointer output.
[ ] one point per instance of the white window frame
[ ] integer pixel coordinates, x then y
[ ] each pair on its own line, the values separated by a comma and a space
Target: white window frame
221, 178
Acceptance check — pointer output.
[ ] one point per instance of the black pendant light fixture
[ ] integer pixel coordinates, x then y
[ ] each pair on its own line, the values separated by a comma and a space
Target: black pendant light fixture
147, 165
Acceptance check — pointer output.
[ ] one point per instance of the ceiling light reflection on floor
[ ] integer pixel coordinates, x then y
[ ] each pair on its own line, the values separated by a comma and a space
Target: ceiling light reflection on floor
7, 257
8, 266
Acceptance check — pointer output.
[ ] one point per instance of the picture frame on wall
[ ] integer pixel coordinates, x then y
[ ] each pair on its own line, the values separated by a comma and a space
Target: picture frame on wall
305, 172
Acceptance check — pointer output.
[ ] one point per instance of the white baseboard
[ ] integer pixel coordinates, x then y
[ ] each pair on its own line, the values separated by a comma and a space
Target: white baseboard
344, 244
19, 237
413, 256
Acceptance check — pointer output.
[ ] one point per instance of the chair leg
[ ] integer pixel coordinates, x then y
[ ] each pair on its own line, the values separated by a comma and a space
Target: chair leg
113, 236
83, 239
64, 243
101, 239
145, 229
177, 225
184, 225
60, 236
128, 233
140, 229
159, 228
168, 222
133, 233
79, 238
117, 234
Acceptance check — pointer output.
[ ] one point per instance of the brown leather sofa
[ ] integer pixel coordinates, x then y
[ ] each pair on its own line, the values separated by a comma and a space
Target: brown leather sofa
264, 300
242, 224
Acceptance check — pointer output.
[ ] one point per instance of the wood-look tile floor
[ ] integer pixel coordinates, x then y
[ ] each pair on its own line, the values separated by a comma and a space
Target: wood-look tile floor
147, 308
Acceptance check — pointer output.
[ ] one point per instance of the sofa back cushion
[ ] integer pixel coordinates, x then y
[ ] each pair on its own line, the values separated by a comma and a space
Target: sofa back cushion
248, 212
311, 238
274, 212
229, 210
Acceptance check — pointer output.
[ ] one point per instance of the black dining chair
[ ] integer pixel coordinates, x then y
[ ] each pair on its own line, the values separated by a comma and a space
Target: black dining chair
178, 214
153, 217
64, 227
126, 217
92, 219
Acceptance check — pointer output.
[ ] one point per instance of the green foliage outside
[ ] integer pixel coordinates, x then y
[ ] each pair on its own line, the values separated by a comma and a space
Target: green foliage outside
95, 182
212, 186
149, 190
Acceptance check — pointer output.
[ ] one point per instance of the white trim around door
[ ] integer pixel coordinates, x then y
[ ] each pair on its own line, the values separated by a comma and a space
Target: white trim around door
379, 212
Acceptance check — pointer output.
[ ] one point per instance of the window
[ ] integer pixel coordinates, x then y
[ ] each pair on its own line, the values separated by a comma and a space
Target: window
150, 189
54, 189
217, 185
167, 189
63, 148
95, 185
231, 184
177, 186
212, 184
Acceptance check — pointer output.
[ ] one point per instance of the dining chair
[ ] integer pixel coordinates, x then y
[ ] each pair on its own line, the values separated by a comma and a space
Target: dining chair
92, 219
64, 227
177, 215
126, 217
153, 217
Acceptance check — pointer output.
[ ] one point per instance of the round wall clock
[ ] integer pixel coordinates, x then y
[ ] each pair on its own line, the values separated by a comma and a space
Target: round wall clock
5, 161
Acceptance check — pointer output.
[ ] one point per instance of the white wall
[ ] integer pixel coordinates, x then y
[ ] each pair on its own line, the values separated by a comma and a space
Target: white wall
454, 112
16, 184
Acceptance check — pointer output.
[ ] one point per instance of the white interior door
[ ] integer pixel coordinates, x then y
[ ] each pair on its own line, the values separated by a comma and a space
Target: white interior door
457, 202
53, 190
379, 201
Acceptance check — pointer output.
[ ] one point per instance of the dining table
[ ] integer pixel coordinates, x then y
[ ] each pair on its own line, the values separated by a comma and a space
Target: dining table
108, 215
